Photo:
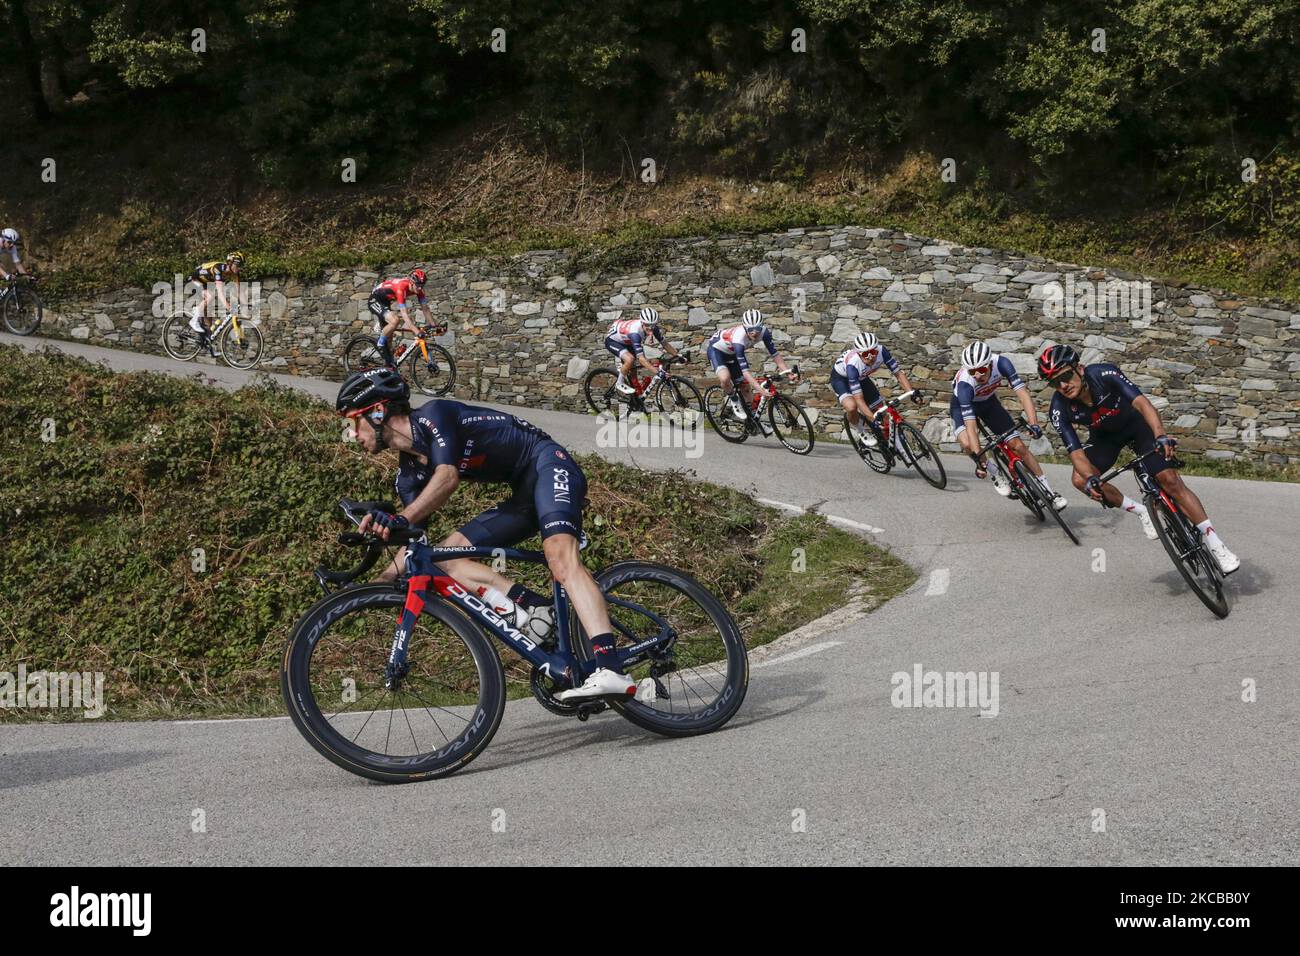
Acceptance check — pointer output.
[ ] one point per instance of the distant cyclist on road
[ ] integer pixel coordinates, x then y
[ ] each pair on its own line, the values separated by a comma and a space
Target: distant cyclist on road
9, 243
726, 352
443, 443
387, 304
974, 396
217, 273
625, 340
857, 394
1117, 415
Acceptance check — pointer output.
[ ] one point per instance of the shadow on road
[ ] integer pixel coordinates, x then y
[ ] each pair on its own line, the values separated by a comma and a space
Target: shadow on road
35, 767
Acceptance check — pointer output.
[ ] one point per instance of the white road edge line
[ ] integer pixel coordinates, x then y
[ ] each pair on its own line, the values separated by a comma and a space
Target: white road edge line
802, 652
833, 519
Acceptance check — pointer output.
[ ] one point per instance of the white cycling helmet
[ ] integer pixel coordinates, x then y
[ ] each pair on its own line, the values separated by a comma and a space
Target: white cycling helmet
10, 235
865, 342
975, 355
752, 319
649, 316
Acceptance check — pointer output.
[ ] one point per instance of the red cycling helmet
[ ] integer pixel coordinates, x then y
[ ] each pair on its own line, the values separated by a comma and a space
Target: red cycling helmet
1056, 360
417, 276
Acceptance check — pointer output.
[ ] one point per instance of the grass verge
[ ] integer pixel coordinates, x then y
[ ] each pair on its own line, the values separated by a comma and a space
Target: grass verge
163, 532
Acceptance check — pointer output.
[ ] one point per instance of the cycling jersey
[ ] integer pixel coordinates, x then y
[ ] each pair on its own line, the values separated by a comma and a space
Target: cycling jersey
396, 291
966, 391
854, 367
727, 346
211, 272
630, 334
13, 254
548, 487
1111, 409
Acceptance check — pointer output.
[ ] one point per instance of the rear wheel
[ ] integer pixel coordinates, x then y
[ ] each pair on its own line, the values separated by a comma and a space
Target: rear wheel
361, 352
599, 387
1025, 490
179, 340
22, 309
699, 680
1186, 548
723, 418
791, 424
877, 459
921, 455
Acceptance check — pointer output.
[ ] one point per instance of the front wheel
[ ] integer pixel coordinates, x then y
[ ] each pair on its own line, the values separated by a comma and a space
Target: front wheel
241, 345
921, 455
22, 309
435, 720
179, 340
1023, 486
435, 377
791, 424
679, 399
696, 681
1186, 548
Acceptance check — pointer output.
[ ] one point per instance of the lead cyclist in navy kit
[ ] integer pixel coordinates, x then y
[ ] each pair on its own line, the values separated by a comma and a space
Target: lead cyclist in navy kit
1118, 414
444, 442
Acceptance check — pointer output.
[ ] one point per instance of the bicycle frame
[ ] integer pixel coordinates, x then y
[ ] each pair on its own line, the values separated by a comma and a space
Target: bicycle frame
421, 340
1003, 444
561, 666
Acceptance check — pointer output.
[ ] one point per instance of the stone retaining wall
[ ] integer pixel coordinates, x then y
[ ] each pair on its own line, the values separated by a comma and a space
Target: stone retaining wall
1223, 369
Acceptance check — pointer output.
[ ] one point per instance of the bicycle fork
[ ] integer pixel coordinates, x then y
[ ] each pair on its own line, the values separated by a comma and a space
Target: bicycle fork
397, 667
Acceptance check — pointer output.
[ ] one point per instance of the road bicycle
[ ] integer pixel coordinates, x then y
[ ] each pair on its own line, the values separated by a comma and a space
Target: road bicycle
671, 394
422, 700
898, 441
1025, 485
787, 419
430, 367
1182, 540
20, 307
237, 340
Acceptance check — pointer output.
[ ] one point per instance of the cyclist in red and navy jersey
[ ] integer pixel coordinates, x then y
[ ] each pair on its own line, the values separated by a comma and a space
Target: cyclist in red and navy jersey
1117, 414
852, 385
387, 304
726, 350
974, 396
443, 443
625, 340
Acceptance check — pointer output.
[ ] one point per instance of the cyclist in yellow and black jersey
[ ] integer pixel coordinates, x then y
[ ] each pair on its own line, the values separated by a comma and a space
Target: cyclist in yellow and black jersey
218, 273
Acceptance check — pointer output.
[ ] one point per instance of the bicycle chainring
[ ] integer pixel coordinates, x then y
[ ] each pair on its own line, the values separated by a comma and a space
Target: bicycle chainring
541, 686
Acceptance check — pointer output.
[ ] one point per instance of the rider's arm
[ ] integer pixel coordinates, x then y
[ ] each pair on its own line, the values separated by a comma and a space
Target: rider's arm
663, 341
1027, 403
435, 494
221, 293
966, 405
634, 343
1149, 415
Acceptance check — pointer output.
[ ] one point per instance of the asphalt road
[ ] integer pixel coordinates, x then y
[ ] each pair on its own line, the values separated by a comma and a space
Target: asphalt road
1120, 700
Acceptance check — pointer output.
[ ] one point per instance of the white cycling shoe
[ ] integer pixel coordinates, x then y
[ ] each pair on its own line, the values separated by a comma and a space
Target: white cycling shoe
737, 409
1058, 501
603, 683
625, 388
1148, 526
1228, 562
1001, 485
868, 438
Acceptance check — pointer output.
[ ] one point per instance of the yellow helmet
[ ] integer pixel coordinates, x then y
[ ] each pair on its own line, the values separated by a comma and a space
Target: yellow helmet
236, 256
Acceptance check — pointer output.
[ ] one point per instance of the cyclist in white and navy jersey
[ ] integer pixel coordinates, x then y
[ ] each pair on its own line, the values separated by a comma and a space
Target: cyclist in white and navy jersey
625, 340
9, 243
726, 351
857, 394
1118, 415
974, 397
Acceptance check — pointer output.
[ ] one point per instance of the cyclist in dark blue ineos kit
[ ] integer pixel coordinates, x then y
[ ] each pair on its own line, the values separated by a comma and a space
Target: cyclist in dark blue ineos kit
1117, 414
444, 442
